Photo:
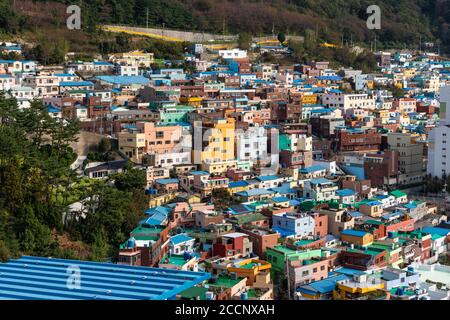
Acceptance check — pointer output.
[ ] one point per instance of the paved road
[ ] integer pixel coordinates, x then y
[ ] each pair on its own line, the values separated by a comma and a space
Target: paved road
176, 35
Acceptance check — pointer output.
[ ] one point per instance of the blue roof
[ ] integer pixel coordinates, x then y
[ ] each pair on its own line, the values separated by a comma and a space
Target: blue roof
237, 184
312, 169
354, 233
349, 271
436, 230
156, 216
53, 109
199, 172
320, 181
355, 214
166, 181
35, 278
280, 199
294, 202
284, 189
254, 192
180, 238
124, 80
345, 192
373, 203
75, 83
267, 178
356, 171
322, 286
331, 78
283, 232
102, 63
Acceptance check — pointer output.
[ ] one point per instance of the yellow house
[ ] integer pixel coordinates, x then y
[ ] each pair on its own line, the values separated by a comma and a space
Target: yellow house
309, 99
132, 145
357, 237
249, 268
373, 208
360, 287
192, 101
134, 58
409, 72
217, 142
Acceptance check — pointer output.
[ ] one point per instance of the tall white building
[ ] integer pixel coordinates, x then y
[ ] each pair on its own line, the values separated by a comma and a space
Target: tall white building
251, 144
348, 103
439, 139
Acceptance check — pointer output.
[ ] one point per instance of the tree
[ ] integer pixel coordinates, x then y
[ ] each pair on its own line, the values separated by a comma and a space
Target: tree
130, 180
281, 37
244, 41
104, 145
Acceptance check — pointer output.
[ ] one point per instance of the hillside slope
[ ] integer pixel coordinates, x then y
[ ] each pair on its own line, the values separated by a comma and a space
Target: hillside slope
404, 22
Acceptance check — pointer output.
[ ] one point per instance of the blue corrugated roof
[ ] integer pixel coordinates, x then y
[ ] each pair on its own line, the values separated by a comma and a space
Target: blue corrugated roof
436, 230
267, 178
75, 83
167, 181
283, 232
280, 199
180, 238
312, 169
124, 80
320, 181
35, 278
345, 192
237, 184
322, 286
354, 233
254, 192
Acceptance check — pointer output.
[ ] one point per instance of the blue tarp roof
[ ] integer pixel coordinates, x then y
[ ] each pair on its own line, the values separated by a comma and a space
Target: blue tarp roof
36, 278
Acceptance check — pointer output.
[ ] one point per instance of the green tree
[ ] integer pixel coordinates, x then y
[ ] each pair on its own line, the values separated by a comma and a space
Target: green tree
281, 37
244, 41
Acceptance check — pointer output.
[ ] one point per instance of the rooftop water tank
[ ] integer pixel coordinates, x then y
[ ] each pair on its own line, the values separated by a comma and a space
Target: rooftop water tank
131, 242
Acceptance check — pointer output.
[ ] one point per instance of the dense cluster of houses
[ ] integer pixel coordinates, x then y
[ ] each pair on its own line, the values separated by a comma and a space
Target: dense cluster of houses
282, 181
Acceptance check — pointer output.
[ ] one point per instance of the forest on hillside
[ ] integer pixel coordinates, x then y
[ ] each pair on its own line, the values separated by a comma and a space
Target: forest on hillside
404, 22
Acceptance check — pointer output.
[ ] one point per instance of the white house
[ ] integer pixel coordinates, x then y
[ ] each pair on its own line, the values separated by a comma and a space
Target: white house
180, 244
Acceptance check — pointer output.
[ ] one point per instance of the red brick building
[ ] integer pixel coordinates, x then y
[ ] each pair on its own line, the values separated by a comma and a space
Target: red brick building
357, 140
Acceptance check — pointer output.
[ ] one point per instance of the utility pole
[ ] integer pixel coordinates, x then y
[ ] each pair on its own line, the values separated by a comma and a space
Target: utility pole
273, 29
375, 43
147, 20
223, 26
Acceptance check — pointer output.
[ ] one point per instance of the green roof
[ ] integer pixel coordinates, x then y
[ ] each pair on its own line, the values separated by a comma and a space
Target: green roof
374, 222
225, 282
194, 292
398, 193
246, 218
175, 260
